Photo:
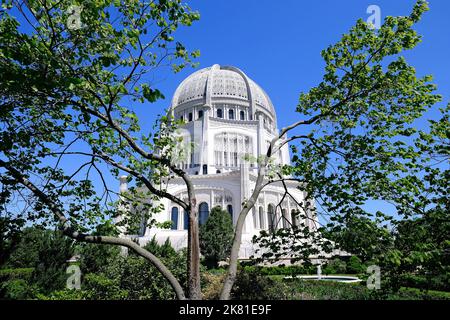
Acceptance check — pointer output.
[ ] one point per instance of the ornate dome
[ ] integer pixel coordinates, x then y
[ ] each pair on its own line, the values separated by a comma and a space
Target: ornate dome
222, 83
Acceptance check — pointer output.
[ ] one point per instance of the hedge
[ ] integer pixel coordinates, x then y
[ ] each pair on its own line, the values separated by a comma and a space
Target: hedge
282, 270
19, 273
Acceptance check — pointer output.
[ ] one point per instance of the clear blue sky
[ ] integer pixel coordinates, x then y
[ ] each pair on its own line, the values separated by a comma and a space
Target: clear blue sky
278, 44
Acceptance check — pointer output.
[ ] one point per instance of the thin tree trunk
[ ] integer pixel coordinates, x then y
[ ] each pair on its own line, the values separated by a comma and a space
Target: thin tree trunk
193, 261
232, 269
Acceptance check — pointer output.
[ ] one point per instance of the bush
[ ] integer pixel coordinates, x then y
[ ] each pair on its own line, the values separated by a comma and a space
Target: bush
355, 265
66, 294
327, 290
216, 237
18, 273
292, 270
94, 257
436, 282
212, 285
16, 289
335, 266
15, 283
99, 287
252, 285
133, 277
47, 252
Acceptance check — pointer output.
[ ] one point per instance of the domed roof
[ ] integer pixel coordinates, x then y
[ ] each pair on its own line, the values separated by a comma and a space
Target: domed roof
222, 82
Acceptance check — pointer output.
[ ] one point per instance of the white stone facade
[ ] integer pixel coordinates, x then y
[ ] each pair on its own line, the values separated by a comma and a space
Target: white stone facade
229, 118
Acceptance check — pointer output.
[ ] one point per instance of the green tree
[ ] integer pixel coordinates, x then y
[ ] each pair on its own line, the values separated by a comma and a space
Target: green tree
93, 257
361, 236
9, 236
71, 84
355, 140
216, 237
421, 247
45, 251
133, 277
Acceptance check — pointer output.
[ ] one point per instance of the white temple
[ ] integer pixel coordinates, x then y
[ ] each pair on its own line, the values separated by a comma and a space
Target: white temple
228, 116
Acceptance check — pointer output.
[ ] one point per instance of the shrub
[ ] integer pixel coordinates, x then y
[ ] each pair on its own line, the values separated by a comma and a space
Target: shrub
212, 285
252, 285
355, 265
292, 270
94, 257
435, 282
216, 237
335, 266
17, 289
100, 287
47, 252
66, 294
133, 277
18, 273
15, 283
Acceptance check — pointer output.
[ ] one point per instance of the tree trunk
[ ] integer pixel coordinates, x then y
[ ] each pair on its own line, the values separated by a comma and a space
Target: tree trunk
193, 267
232, 269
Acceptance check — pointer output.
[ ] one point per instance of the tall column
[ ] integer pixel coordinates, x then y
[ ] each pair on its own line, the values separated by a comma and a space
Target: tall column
211, 199
122, 208
204, 152
223, 199
265, 211
289, 210
228, 149
260, 137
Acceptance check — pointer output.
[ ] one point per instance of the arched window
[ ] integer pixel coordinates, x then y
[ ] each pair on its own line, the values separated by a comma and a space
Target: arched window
285, 218
219, 113
231, 114
230, 211
174, 218
185, 220
242, 115
205, 169
271, 217
203, 212
255, 219
217, 171
262, 224
190, 116
200, 113
294, 217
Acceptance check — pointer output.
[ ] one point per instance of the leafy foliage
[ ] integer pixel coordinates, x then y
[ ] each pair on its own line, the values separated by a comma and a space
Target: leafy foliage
359, 142
46, 252
9, 236
216, 237
335, 266
66, 94
134, 278
252, 285
421, 248
68, 100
